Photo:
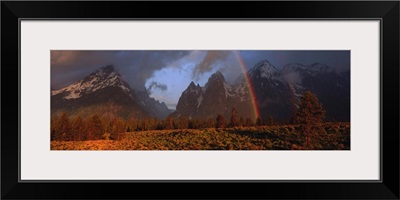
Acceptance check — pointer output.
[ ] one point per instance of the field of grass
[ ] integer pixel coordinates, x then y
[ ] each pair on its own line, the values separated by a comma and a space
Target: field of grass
336, 136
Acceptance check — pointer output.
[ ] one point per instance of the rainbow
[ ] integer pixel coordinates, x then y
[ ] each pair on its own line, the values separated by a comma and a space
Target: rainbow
249, 84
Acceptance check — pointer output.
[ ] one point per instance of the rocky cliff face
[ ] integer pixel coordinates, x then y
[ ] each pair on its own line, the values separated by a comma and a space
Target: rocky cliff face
276, 92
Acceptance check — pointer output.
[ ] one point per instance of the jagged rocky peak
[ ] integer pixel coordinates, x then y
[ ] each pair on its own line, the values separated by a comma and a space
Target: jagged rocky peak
263, 69
193, 88
101, 74
105, 71
276, 92
102, 78
192, 85
217, 76
216, 79
107, 68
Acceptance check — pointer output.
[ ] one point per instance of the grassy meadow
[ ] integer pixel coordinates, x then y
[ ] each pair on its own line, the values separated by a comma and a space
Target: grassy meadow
333, 136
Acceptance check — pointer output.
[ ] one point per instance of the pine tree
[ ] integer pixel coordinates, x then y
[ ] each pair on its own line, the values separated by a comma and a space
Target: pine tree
169, 123
139, 124
155, 123
211, 123
161, 125
183, 122
132, 123
145, 124
241, 122
64, 128
95, 128
220, 121
249, 122
78, 129
234, 119
118, 129
309, 116
53, 128
106, 123
259, 121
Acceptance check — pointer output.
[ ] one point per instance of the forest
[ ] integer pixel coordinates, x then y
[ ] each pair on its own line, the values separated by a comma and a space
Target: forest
307, 130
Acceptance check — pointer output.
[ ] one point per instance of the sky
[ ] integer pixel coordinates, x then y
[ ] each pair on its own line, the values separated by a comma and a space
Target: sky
165, 74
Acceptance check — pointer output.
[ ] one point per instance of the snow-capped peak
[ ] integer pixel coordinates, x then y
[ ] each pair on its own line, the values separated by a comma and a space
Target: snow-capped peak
264, 69
103, 77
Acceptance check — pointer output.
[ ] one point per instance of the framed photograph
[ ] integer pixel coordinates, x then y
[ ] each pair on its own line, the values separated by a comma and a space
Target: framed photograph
115, 98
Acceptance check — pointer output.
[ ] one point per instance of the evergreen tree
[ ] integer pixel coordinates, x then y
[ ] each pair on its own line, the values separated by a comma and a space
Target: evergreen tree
106, 123
234, 119
161, 126
53, 128
259, 121
145, 124
220, 121
210, 123
241, 122
64, 128
95, 128
249, 122
155, 123
194, 124
118, 129
78, 129
169, 123
183, 122
132, 123
309, 116
139, 124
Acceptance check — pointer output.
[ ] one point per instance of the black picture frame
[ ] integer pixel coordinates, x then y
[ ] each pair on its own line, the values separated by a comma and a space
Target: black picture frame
386, 11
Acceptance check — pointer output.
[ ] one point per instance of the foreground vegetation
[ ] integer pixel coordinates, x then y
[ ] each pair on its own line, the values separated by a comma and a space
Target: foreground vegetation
310, 132
333, 136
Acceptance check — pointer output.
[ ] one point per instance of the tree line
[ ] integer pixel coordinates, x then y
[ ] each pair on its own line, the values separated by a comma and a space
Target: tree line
309, 116
66, 128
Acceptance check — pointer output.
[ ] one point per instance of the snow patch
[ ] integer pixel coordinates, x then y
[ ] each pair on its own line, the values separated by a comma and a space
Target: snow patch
199, 100
229, 90
92, 83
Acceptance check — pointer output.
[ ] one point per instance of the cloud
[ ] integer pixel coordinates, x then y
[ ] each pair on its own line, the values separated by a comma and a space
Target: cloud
209, 62
293, 77
154, 85
135, 67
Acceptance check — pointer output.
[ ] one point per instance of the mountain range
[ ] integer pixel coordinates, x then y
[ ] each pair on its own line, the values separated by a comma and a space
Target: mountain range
104, 92
271, 91
276, 93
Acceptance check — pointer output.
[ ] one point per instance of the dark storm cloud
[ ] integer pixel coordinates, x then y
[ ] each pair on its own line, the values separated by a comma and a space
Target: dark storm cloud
154, 85
209, 62
135, 67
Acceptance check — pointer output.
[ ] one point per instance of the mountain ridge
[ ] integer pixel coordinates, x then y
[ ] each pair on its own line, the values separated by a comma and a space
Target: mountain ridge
277, 92
105, 87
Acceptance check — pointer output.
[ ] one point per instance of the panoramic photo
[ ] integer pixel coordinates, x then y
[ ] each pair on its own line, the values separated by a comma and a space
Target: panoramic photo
200, 100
